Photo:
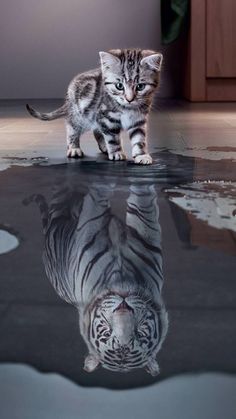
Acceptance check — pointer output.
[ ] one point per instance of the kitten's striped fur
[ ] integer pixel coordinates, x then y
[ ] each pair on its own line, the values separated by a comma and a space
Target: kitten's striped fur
117, 96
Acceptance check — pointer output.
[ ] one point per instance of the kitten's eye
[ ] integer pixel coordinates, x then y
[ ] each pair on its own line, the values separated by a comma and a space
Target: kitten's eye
119, 86
140, 86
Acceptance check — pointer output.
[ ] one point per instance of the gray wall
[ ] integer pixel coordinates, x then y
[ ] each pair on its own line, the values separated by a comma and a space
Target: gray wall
44, 43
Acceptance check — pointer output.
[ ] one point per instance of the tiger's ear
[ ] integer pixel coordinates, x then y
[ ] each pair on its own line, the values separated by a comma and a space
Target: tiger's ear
152, 60
90, 363
108, 60
153, 367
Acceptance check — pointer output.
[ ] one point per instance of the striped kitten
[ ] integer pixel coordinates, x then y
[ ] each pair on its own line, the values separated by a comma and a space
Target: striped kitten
117, 96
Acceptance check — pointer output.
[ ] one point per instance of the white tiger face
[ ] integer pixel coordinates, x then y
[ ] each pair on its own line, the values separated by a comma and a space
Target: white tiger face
125, 334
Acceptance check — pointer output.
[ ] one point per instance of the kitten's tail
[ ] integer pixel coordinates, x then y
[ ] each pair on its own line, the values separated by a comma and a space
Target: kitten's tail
58, 113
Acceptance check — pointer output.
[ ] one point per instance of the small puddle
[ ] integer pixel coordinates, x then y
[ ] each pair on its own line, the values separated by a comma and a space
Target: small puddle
210, 201
8, 241
8, 161
225, 149
40, 159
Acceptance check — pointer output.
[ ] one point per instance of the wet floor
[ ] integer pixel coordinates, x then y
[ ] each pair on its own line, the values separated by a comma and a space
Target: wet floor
121, 277
117, 282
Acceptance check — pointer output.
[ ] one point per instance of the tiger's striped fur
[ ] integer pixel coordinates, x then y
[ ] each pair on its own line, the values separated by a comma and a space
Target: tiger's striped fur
110, 271
117, 96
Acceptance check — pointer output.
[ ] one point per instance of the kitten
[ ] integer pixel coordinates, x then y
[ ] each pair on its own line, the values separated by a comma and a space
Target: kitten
117, 96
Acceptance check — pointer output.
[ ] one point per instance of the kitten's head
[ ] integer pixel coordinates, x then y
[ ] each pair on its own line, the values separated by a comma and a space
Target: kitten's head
131, 75
123, 334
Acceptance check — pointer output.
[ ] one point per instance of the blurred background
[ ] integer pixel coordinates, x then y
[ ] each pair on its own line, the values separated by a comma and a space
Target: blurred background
44, 44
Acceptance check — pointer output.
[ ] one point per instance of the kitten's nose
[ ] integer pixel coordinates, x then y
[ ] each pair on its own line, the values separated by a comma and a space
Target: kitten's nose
129, 94
131, 100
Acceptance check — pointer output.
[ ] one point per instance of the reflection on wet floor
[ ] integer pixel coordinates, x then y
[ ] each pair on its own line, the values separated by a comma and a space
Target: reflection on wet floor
110, 269
106, 251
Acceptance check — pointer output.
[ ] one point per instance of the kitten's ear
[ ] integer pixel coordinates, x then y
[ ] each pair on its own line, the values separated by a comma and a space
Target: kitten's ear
108, 60
90, 363
152, 367
152, 60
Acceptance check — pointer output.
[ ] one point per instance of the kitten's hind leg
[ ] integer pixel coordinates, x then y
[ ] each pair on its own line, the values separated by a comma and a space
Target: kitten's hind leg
101, 141
73, 141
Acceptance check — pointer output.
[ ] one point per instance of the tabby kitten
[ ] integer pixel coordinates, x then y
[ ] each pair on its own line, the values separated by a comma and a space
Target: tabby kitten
117, 96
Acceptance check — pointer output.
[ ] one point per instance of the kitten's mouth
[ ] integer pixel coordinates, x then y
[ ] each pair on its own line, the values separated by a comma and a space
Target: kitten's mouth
133, 104
129, 101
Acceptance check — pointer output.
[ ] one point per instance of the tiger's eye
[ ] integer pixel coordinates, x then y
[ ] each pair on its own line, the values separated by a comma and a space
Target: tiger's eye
107, 334
119, 86
140, 86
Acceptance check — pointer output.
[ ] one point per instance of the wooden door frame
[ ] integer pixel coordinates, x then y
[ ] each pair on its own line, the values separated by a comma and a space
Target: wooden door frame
196, 53
197, 87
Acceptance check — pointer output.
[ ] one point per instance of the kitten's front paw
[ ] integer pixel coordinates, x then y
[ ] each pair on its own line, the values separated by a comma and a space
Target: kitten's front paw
103, 147
117, 155
143, 159
74, 153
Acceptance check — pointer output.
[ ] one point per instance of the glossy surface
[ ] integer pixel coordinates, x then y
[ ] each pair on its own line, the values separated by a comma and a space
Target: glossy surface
167, 231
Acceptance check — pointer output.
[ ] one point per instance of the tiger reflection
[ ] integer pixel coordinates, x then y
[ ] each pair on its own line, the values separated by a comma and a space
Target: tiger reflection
111, 271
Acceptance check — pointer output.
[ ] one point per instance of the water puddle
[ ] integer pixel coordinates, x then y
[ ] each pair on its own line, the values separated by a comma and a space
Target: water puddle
125, 276
8, 241
213, 153
8, 161
205, 396
211, 201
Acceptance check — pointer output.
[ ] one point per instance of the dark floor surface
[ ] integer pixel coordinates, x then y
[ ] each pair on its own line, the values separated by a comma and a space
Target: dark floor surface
199, 290
190, 190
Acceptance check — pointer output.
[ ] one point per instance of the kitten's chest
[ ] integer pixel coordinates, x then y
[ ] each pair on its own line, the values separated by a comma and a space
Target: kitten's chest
127, 119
